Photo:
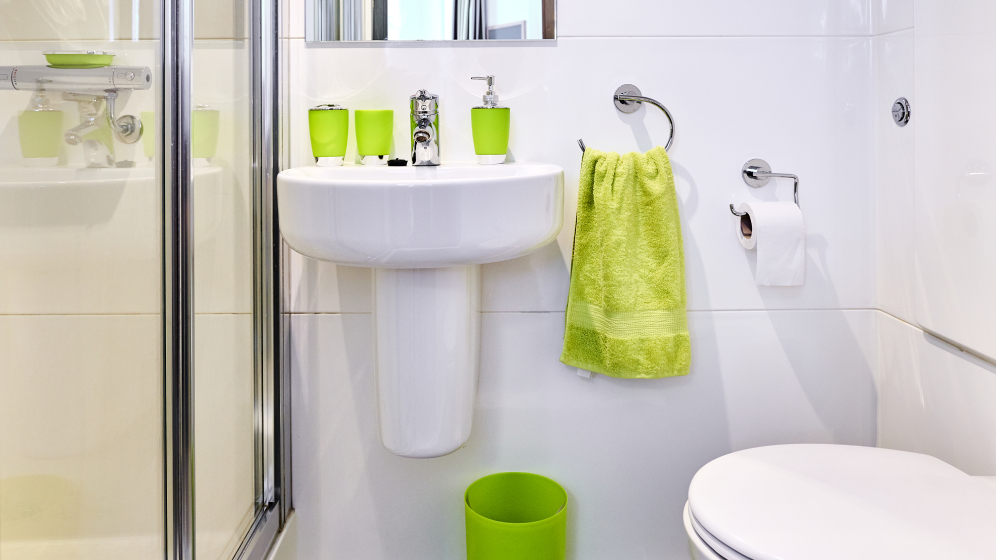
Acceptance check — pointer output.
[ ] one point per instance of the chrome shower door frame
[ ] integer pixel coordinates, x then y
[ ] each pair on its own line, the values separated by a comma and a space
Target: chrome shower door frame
271, 413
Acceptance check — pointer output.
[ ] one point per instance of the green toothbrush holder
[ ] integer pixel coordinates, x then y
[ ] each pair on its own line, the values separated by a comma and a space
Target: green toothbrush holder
204, 132
374, 131
516, 516
329, 127
490, 126
40, 133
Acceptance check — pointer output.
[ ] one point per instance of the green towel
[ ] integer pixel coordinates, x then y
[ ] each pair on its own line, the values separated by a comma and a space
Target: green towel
626, 308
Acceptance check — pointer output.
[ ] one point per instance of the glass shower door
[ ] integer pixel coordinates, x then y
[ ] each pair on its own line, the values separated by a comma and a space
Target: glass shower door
138, 414
226, 466
81, 414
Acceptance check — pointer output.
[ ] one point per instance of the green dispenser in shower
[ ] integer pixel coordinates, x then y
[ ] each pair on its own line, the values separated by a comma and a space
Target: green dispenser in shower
490, 125
204, 132
204, 129
40, 131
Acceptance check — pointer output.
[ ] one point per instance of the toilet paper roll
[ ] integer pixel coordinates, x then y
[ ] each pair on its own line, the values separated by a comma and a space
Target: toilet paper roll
745, 227
778, 232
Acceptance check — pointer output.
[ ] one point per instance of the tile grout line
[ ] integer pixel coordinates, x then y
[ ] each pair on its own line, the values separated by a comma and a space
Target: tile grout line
247, 314
562, 312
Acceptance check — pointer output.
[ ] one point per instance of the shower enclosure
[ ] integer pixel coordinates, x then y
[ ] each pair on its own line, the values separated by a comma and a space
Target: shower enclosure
140, 389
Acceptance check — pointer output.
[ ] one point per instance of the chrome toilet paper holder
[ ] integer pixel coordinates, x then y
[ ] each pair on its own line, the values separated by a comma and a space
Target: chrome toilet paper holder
757, 173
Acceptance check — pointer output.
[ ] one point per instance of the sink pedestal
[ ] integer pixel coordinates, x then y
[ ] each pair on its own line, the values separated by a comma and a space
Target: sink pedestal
427, 332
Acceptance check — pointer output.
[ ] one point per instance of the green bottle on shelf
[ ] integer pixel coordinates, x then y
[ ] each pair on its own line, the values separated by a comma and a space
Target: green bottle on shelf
40, 131
490, 125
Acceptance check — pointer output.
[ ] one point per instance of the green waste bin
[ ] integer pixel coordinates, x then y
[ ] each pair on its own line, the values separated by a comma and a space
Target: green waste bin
516, 516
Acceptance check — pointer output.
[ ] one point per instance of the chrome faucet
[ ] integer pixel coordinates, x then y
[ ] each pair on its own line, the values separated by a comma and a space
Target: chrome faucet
425, 128
96, 152
98, 148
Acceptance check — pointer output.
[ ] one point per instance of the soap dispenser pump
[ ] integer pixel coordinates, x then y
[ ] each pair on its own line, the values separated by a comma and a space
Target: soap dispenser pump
490, 125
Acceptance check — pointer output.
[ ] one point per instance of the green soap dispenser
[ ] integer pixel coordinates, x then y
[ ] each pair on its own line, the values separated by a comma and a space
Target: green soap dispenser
490, 123
40, 131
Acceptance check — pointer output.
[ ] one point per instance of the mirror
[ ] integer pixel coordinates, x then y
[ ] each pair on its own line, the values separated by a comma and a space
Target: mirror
430, 20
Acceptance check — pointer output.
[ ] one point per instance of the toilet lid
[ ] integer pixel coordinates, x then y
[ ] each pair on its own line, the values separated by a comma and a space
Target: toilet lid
828, 502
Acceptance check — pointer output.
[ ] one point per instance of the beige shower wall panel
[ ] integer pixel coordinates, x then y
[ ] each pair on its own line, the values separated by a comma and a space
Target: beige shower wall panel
95, 20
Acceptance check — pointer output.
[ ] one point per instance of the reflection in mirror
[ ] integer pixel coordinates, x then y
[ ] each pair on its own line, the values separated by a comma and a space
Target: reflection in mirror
430, 20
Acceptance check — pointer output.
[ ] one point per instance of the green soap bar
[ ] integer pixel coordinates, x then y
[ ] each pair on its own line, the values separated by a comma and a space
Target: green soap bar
41, 133
490, 126
329, 132
204, 130
516, 516
374, 131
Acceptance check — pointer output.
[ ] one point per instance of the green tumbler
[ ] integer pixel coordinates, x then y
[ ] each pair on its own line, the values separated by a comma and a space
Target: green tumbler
40, 132
329, 126
490, 126
148, 119
516, 516
204, 132
374, 131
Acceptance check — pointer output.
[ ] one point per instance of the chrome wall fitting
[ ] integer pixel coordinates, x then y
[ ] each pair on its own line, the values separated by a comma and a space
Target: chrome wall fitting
757, 173
901, 111
127, 128
95, 152
76, 79
628, 99
92, 89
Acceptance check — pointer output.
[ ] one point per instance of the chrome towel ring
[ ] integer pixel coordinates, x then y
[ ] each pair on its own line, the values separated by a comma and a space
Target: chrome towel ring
628, 99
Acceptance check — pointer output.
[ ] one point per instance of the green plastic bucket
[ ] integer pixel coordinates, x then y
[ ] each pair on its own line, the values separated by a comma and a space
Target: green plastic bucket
516, 516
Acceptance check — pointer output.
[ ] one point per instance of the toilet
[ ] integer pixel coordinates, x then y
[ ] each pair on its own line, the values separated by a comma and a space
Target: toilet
836, 502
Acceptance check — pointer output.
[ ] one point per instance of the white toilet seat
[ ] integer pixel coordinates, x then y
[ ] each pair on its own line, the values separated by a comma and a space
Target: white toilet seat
823, 502
704, 546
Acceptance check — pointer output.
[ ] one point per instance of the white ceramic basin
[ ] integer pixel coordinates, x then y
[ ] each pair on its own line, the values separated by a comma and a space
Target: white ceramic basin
424, 217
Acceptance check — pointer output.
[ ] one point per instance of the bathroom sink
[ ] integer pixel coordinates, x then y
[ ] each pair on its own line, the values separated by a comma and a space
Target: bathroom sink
421, 217
424, 230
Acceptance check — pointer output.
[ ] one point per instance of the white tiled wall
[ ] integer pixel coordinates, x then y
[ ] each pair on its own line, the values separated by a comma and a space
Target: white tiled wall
624, 450
933, 398
790, 82
712, 18
888, 16
805, 126
893, 70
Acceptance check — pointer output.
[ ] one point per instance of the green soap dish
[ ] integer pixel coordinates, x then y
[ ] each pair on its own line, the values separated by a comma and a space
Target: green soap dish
79, 59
